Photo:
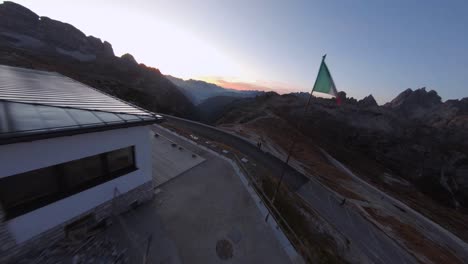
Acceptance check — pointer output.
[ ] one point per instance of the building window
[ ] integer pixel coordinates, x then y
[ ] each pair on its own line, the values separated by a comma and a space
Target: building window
22, 190
81, 172
25, 192
120, 160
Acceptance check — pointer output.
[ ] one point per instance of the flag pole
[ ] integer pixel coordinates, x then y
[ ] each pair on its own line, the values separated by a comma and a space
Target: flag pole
293, 143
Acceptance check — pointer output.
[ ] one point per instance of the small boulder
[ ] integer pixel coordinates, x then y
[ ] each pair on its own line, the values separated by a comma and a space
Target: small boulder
129, 59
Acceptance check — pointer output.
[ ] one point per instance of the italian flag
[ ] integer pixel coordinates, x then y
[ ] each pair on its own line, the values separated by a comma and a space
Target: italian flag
325, 83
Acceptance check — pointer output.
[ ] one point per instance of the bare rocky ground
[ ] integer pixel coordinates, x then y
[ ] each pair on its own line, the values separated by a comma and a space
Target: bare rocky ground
416, 137
95, 247
409, 232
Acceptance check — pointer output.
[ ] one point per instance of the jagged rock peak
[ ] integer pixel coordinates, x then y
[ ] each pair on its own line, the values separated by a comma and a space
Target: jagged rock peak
17, 20
107, 49
419, 97
127, 57
16, 10
368, 101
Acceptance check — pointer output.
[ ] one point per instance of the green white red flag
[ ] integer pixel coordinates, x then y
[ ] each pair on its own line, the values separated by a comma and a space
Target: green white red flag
325, 83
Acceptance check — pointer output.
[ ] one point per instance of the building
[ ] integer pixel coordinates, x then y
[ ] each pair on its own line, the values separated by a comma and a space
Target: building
67, 153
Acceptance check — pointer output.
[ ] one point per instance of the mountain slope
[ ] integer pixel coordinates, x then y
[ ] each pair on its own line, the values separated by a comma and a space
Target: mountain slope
422, 163
429, 148
213, 108
30, 41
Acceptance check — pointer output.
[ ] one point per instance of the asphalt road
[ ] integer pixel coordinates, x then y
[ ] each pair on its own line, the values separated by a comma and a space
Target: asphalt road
292, 178
364, 237
209, 203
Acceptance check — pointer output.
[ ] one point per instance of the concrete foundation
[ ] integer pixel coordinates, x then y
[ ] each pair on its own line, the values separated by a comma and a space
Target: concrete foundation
10, 251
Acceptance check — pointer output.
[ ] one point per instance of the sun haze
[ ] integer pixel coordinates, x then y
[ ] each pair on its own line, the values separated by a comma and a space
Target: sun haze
373, 47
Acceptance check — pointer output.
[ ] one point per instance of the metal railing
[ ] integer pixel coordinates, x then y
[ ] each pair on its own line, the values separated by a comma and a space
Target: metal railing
274, 212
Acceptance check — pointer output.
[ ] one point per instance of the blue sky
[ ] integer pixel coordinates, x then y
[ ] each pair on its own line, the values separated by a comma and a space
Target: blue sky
374, 47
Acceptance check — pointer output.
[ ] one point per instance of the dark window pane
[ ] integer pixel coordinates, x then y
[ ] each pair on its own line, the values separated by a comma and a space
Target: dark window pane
29, 191
121, 159
83, 117
129, 117
108, 117
55, 117
25, 117
27, 187
80, 172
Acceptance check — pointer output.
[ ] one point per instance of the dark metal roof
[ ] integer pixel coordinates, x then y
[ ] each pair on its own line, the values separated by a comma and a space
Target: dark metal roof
50, 88
35, 103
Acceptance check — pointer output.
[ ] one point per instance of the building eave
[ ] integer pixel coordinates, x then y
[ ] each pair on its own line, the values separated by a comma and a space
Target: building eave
40, 135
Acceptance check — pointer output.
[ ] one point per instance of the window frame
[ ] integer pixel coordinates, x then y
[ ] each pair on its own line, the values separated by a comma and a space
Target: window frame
64, 190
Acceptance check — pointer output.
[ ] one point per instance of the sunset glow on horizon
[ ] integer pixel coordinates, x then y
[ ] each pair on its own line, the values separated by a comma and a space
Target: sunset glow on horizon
380, 48
153, 40
248, 85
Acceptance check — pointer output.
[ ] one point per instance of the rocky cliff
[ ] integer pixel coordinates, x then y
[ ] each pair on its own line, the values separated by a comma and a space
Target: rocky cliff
368, 101
416, 136
31, 41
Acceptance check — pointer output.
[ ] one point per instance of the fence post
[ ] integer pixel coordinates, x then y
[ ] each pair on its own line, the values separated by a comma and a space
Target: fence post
148, 244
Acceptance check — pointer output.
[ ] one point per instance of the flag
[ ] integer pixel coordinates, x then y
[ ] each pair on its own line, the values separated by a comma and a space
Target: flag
324, 82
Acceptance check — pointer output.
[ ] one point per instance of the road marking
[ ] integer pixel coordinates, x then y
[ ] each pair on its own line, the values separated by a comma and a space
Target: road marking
401, 258
378, 252
414, 213
370, 252
377, 243
369, 229
329, 202
349, 217
308, 192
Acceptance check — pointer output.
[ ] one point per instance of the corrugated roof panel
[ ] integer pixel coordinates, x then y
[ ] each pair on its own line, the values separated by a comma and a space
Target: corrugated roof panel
23, 117
53, 89
130, 118
108, 117
54, 116
37, 103
20, 119
83, 117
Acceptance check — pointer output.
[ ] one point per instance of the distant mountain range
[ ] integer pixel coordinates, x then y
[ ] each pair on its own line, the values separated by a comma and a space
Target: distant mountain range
199, 91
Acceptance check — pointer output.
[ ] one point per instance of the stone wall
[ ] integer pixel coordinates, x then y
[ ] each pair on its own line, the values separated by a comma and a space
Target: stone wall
10, 251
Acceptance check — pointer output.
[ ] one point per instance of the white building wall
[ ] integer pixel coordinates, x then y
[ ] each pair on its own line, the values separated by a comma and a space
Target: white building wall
27, 156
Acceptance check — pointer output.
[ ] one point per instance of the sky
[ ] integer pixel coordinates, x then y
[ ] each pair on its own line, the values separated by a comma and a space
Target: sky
373, 47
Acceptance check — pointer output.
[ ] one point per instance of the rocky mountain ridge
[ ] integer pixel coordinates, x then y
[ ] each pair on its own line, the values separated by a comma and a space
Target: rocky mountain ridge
28, 40
416, 136
28, 30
